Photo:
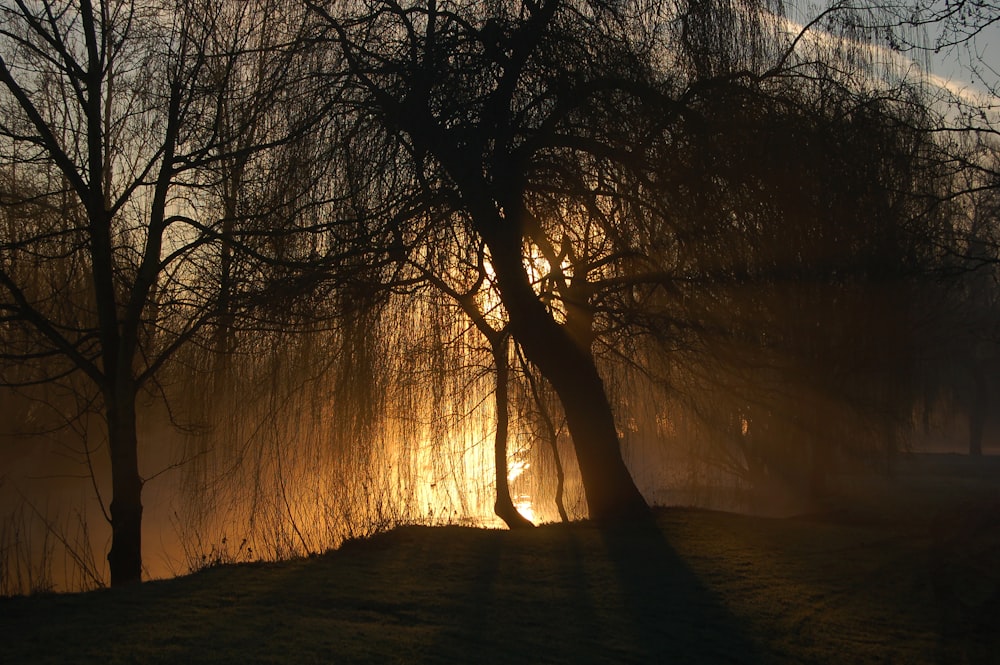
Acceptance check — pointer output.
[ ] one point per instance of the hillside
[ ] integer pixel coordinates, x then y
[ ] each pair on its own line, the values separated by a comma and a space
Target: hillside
842, 587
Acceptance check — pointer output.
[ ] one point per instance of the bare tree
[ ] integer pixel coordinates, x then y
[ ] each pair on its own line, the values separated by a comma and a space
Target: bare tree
116, 117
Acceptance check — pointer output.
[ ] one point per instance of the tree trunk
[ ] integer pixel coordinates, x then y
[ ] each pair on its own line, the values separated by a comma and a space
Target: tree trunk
125, 557
504, 506
977, 412
611, 493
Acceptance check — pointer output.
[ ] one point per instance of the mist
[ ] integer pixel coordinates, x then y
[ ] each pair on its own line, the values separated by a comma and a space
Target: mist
271, 282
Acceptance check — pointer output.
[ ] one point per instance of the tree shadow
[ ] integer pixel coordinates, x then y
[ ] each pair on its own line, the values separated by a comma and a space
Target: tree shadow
589, 595
513, 605
964, 577
676, 617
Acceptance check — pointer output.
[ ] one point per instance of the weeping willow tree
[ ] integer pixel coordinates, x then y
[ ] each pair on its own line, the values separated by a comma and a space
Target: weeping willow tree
385, 418
795, 236
797, 215
506, 114
116, 119
572, 148
698, 223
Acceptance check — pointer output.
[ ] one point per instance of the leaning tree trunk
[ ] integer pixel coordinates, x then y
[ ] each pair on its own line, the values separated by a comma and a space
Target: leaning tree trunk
611, 493
125, 556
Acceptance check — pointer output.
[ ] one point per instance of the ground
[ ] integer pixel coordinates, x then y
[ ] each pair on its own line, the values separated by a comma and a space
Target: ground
914, 580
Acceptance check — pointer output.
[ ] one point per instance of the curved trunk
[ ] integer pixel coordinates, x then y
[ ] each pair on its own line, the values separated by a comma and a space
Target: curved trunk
504, 506
611, 493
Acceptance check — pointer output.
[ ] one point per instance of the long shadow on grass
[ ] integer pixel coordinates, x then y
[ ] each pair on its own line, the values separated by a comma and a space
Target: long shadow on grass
579, 594
523, 597
675, 617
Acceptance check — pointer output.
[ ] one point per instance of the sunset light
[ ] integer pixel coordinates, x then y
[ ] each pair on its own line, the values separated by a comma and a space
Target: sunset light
570, 331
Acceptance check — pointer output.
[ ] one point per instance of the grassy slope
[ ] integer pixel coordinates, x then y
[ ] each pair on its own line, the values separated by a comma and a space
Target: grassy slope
702, 587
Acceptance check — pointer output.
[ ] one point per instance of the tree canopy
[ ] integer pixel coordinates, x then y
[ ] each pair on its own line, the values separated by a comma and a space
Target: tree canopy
646, 220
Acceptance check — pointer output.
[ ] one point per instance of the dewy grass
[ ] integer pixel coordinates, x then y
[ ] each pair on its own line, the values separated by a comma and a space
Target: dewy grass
701, 586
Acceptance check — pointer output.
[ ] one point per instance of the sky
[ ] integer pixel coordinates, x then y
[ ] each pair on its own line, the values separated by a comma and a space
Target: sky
970, 71
955, 65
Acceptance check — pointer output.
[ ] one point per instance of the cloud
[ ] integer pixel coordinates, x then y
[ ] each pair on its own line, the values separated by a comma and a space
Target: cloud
955, 92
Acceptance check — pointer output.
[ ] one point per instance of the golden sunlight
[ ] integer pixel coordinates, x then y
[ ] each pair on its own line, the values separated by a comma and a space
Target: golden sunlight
515, 469
540, 273
522, 502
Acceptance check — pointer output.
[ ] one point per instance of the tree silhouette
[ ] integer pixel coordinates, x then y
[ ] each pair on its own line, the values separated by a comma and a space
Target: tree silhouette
698, 197
115, 117
505, 114
470, 301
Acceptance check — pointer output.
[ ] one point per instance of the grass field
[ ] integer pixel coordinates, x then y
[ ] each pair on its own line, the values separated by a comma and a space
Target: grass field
902, 573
